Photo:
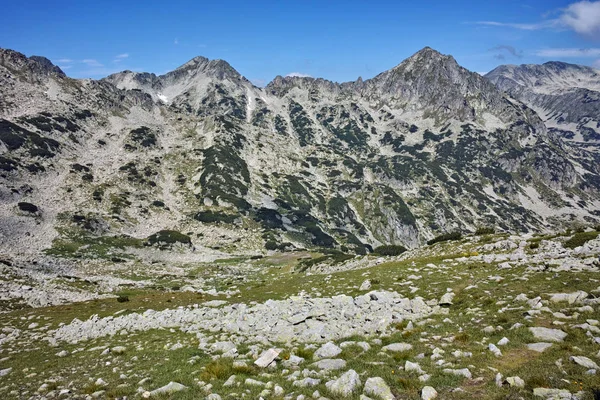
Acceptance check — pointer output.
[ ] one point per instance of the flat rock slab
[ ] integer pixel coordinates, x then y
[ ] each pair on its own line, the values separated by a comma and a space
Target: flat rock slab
169, 388
584, 362
553, 394
464, 372
397, 347
377, 388
539, 347
267, 358
547, 334
330, 364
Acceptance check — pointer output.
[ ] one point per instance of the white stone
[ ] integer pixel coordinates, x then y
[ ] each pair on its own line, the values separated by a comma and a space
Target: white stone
345, 385
515, 381
378, 388
267, 358
169, 388
397, 347
428, 393
539, 347
328, 350
584, 362
546, 334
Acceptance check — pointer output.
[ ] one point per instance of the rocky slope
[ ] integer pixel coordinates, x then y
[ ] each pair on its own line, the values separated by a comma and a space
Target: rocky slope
567, 96
200, 159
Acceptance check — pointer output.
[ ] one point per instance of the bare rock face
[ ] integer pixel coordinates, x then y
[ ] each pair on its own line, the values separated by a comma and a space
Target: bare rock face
425, 148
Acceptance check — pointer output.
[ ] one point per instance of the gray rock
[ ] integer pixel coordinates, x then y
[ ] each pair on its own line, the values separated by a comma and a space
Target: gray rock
253, 382
571, 298
428, 393
307, 382
446, 299
584, 362
213, 396
330, 364
5, 371
328, 350
459, 372
169, 388
553, 394
547, 334
539, 347
345, 385
366, 285
413, 367
515, 381
377, 387
267, 358
397, 347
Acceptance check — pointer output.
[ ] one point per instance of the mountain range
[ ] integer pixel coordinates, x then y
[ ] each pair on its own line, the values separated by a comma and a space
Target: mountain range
201, 159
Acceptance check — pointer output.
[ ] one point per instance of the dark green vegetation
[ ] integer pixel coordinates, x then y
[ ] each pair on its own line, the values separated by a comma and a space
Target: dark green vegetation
389, 250
580, 238
167, 238
445, 237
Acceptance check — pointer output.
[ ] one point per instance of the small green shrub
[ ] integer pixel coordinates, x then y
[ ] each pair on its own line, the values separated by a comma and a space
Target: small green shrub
579, 239
485, 231
215, 217
167, 238
389, 250
534, 245
445, 237
123, 299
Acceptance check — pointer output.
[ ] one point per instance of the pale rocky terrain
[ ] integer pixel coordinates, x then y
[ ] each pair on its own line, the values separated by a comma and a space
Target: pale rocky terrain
422, 234
493, 316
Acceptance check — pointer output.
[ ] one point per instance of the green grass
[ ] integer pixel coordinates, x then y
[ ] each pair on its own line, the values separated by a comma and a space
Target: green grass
427, 273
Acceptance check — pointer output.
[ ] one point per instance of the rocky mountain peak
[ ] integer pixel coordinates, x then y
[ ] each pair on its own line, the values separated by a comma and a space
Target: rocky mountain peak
219, 69
33, 68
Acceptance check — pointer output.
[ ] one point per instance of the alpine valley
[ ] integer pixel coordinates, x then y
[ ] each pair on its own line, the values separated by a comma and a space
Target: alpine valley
426, 233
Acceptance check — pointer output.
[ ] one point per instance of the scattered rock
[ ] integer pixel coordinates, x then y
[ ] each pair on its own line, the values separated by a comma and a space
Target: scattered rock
378, 388
267, 358
539, 347
169, 388
397, 347
428, 393
366, 285
547, 334
328, 350
584, 362
515, 381
459, 372
345, 385
553, 394
329, 364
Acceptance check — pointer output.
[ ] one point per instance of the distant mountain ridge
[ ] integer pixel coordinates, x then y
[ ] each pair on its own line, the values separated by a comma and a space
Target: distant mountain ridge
425, 148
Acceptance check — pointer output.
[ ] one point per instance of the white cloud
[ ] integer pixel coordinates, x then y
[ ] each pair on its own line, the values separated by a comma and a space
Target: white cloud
298, 74
64, 67
596, 64
525, 27
176, 41
120, 57
568, 53
92, 63
64, 61
583, 17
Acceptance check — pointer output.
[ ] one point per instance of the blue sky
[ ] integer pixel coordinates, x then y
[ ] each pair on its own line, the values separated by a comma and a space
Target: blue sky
337, 40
